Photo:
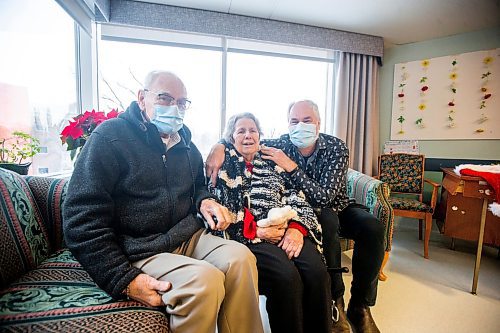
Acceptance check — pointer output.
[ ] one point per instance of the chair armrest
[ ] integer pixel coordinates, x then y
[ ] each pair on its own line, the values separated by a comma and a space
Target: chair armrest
435, 187
374, 194
428, 181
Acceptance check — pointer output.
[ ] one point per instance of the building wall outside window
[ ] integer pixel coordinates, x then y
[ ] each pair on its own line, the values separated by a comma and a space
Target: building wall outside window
37, 77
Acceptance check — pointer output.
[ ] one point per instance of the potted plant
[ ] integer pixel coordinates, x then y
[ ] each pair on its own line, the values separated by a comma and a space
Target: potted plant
80, 127
15, 150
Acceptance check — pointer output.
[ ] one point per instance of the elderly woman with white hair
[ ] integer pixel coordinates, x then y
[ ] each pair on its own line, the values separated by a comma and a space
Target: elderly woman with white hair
292, 273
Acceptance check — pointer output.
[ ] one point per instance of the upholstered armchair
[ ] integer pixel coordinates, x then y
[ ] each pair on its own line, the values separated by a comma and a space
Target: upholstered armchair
374, 194
404, 173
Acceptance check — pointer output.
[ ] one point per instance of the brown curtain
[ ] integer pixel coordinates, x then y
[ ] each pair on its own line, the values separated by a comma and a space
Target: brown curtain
356, 114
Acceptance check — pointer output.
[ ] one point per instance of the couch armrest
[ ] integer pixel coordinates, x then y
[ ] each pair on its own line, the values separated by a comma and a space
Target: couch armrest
374, 194
49, 194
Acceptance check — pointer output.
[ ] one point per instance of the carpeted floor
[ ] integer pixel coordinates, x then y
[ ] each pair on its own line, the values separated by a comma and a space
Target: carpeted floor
434, 295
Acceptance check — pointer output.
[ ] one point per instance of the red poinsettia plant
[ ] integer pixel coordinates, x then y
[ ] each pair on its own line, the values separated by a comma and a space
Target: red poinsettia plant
78, 131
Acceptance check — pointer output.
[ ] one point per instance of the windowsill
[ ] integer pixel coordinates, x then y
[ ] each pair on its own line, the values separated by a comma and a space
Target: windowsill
59, 174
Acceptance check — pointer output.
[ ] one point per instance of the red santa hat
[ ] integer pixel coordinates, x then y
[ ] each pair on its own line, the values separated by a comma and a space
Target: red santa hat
490, 173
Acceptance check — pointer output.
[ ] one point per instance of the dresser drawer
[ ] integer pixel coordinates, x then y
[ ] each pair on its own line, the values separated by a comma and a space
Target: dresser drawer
478, 189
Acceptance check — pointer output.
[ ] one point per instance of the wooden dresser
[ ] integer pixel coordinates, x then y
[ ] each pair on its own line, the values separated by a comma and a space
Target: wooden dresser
466, 200
462, 198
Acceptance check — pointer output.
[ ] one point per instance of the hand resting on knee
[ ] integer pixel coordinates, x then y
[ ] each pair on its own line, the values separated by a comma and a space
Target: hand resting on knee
146, 289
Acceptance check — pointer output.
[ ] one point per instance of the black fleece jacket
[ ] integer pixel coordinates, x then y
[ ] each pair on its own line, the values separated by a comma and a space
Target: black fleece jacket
129, 198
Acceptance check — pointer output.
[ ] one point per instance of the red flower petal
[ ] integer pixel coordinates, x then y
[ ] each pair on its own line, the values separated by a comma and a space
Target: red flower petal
66, 130
451, 104
424, 88
487, 96
112, 114
75, 132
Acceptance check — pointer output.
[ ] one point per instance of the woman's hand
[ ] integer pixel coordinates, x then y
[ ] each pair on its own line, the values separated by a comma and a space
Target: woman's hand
145, 289
214, 162
279, 157
271, 234
292, 242
210, 208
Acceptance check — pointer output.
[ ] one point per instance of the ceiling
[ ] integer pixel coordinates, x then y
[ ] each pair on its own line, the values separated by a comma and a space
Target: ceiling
397, 21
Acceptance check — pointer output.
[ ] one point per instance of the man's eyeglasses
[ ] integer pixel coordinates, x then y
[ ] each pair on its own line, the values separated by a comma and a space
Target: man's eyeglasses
166, 99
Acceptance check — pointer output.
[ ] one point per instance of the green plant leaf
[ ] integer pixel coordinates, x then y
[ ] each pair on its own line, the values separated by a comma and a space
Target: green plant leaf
18, 147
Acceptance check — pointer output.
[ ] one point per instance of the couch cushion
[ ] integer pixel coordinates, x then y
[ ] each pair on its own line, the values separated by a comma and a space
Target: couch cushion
60, 296
49, 194
24, 240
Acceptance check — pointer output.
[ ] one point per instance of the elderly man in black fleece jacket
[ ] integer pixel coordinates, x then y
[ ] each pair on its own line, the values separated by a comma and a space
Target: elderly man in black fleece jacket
130, 218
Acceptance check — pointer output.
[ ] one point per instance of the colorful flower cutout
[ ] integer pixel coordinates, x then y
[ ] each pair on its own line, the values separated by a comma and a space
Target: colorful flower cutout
487, 60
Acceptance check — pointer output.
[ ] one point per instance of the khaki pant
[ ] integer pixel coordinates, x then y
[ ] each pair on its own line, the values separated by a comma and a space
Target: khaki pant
214, 281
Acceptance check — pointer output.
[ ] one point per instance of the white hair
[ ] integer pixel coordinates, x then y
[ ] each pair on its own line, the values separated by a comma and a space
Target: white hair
153, 75
231, 125
313, 106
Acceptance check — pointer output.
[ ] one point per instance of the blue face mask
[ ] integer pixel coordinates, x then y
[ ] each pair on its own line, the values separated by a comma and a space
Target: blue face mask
303, 135
168, 119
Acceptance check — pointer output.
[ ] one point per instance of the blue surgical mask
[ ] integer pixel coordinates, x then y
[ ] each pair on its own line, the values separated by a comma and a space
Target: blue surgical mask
168, 119
303, 135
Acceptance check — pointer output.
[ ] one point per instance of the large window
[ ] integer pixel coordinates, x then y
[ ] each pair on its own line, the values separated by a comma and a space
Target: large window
266, 85
123, 66
223, 77
37, 76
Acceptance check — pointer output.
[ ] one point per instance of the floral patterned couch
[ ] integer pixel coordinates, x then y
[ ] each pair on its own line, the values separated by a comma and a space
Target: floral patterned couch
375, 195
42, 287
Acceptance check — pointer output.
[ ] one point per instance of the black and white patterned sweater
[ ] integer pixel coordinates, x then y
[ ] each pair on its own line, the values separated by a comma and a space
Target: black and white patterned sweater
267, 188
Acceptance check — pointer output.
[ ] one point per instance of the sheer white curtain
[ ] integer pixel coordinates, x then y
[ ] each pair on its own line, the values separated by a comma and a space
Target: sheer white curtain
356, 114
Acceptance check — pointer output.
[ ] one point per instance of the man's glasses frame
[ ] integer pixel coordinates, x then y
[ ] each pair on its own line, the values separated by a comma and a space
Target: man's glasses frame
166, 99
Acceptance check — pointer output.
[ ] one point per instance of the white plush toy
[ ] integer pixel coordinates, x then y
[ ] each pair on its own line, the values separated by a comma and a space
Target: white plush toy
277, 215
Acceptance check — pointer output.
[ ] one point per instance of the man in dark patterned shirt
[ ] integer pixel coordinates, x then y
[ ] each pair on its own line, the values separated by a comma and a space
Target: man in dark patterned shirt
317, 163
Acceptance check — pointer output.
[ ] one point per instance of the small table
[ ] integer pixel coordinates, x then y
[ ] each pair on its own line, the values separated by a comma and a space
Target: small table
469, 202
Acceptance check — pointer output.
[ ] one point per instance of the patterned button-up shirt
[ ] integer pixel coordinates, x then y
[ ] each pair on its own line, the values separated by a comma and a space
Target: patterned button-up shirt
323, 175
